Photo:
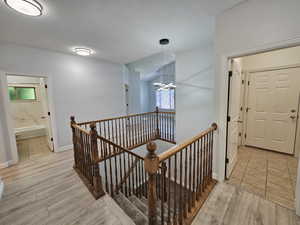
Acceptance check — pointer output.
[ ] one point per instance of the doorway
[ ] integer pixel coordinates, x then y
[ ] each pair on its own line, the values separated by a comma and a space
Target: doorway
30, 115
262, 125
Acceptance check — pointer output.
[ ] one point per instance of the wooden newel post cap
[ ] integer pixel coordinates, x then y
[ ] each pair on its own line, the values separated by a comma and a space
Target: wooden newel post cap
151, 147
93, 126
72, 119
214, 125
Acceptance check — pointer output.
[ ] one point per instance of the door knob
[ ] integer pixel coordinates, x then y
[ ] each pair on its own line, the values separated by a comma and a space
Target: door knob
293, 117
293, 110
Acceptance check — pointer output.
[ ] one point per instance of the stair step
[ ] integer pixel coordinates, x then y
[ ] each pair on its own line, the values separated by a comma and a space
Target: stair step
138, 217
139, 204
145, 202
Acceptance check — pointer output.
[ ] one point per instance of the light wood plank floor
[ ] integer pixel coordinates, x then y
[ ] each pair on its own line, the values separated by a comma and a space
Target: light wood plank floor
268, 174
46, 191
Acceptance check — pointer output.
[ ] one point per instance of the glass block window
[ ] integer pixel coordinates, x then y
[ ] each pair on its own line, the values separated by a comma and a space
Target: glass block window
22, 93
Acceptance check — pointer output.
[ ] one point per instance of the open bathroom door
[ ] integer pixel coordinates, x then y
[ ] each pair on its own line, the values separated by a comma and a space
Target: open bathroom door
47, 115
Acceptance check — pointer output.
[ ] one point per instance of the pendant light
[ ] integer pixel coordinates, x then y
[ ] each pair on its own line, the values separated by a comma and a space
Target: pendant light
27, 7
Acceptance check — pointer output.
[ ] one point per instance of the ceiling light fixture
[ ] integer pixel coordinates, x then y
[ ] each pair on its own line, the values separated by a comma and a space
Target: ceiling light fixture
27, 7
83, 51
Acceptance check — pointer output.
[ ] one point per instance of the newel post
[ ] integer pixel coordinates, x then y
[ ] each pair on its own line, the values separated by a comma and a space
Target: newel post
157, 122
73, 122
151, 166
97, 181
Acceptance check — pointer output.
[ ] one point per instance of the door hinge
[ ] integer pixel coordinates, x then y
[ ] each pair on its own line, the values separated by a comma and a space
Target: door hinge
240, 134
247, 109
243, 81
46, 86
245, 135
241, 108
49, 113
248, 83
227, 160
230, 73
51, 139
228, 118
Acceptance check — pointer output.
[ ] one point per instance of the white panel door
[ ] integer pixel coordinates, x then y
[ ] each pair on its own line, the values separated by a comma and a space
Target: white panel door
272, 109
234, 114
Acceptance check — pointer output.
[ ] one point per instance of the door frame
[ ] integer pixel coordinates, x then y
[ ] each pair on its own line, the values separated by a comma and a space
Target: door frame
222, 95
9, 129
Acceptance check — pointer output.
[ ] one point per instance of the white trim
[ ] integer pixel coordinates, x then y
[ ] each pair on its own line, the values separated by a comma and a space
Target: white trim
221, 103
274, 68
5, 164
64, 148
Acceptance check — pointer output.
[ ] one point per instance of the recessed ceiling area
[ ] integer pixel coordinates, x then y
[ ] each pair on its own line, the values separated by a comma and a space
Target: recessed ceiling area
120, 31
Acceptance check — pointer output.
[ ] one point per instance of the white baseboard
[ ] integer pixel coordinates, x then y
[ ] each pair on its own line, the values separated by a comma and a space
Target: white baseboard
64, 148
5, 164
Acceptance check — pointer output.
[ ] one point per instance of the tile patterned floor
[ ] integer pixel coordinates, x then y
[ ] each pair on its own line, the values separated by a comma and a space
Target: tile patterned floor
268, 174
32, 148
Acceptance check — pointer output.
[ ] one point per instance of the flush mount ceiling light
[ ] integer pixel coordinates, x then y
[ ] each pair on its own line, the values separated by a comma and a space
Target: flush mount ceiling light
83, 51
27, 7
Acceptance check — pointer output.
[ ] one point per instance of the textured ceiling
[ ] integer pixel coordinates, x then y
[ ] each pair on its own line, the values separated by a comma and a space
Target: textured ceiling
118, 30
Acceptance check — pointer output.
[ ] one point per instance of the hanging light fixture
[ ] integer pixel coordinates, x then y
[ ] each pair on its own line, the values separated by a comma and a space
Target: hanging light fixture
162, 85
83, 51
27, 7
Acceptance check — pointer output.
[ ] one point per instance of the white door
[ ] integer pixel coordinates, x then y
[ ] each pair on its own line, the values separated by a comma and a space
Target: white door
234, 114
46, 116
272, 109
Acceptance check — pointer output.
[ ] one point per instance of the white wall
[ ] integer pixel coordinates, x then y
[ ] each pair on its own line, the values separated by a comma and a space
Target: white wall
86, 88
194, 92
250, 27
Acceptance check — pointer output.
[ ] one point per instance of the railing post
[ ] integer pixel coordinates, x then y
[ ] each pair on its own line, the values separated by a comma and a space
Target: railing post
97, 181
163, 173
151, 166
157, 124
72, 118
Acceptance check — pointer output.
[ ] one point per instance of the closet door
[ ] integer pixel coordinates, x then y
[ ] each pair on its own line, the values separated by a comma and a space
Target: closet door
272, 109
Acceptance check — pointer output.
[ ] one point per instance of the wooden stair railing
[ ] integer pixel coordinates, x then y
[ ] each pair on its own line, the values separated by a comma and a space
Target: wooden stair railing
185, 181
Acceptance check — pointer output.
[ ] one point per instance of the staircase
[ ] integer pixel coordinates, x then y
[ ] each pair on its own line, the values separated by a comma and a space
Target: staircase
156, 189
137, 209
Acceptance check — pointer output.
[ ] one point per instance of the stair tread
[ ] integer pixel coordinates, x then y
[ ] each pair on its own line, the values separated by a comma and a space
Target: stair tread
138, 217
139, 204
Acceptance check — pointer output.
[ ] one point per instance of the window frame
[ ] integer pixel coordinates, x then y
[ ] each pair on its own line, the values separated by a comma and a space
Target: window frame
18, 99
170, 95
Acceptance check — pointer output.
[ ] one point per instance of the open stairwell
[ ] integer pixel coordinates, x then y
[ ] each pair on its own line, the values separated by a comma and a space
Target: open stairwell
155, 189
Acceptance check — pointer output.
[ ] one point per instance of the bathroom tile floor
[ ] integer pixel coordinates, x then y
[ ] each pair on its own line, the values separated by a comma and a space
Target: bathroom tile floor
32, 148
268, 174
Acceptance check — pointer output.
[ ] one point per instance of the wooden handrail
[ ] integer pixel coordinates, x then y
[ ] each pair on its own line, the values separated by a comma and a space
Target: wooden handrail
172, 151
75, 125
118, 186
115, 118
122, 117
118, 146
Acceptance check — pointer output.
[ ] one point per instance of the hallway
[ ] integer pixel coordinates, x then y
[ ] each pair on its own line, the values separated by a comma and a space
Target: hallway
268, 174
